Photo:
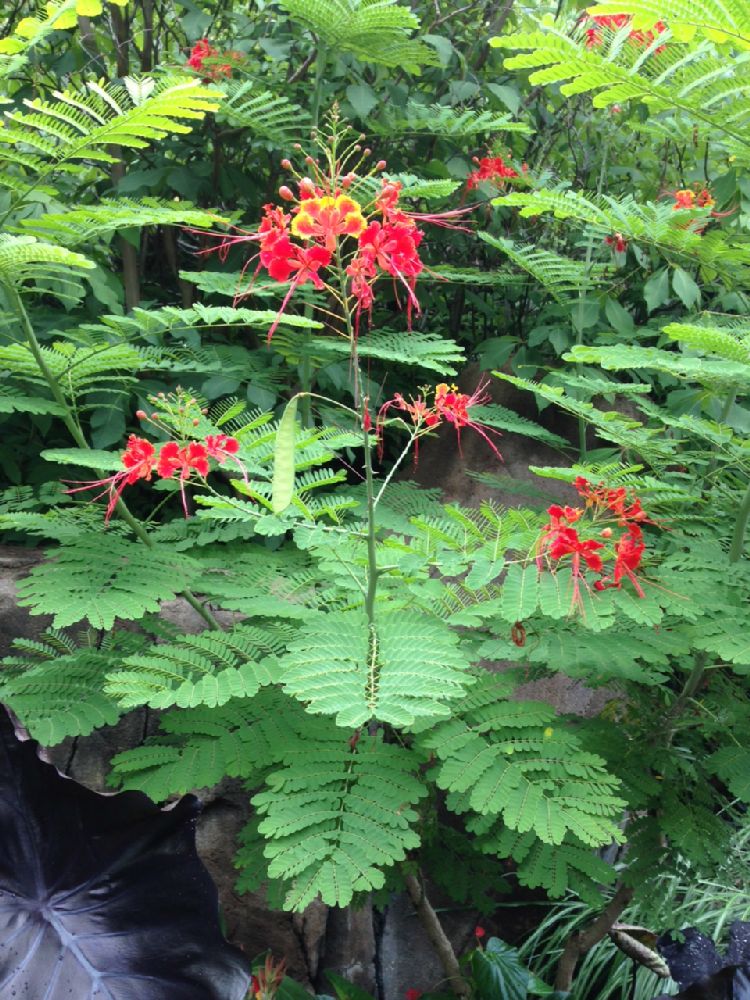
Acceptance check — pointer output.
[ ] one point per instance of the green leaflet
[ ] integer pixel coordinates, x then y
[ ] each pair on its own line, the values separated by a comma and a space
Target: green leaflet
55, 683
520, 592
556, 868
515, 760
732, 765
87, 458
283, 459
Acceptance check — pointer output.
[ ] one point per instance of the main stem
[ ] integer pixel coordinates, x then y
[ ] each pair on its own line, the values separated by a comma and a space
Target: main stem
306, 370
80, 439
582, 297
431, 923
740, 528
372, 555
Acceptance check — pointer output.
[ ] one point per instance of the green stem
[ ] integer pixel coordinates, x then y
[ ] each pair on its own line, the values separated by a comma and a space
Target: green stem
394, 468
78, 436
306, 368
725, 411
372, 555
582, 297
740, 528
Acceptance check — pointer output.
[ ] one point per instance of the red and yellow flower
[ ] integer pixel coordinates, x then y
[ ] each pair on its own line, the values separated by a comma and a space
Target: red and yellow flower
612, 559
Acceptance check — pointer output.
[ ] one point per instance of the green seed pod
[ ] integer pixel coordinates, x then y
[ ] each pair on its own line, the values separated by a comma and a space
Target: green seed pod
283, 459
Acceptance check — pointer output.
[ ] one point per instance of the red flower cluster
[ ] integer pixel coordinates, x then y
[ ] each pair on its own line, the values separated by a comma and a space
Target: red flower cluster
385, 242
413, 994
210, 63
560, 539
339, 236
490, 168
140, 460
698, 198
614, 22
448, 406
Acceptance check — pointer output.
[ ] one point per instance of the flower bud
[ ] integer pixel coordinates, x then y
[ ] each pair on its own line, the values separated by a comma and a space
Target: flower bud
286, 164
297, 145
606, 532
196, 421
141, 414
309, 159
367, 152
306, 187
154, 416
286, 193
380, 165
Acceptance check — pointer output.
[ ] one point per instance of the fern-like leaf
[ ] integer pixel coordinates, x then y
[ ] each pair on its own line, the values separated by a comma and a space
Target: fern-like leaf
560, 276
335, 817
83, 126
374, 30
516, 761
208, 669
263, 113
407, 668
82, 225
99, 578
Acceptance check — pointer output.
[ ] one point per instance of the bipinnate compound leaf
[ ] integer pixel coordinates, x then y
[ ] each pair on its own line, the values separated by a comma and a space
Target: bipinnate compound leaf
335, 816
408, 668
516, 760
103, 897
98, 578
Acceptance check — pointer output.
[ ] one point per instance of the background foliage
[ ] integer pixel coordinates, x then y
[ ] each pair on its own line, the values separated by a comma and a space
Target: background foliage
590, 289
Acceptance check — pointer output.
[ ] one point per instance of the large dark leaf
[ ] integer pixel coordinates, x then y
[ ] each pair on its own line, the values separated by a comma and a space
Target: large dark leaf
702, 972
103, 897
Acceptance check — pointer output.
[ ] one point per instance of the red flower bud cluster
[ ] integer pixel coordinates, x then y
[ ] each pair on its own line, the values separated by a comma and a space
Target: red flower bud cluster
617, 241
490, 168
560, 539
140, 460
614, 22
210, 63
